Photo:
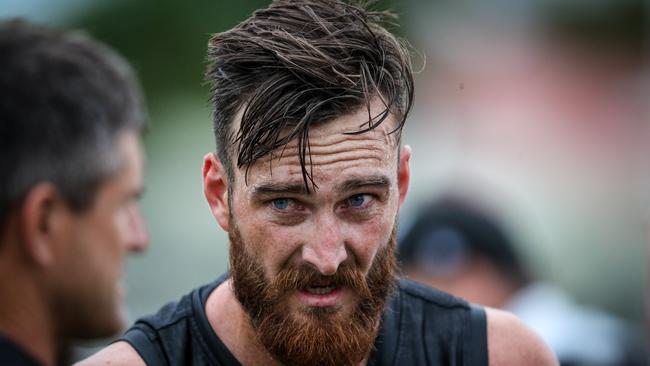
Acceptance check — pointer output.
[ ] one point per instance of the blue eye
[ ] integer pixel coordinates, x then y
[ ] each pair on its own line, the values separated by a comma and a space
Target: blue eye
357, 200
280, 203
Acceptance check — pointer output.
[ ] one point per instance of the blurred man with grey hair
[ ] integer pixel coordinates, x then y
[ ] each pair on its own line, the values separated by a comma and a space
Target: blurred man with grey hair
71, 116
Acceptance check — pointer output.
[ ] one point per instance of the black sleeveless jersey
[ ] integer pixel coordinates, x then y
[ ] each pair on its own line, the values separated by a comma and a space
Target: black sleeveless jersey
420, 326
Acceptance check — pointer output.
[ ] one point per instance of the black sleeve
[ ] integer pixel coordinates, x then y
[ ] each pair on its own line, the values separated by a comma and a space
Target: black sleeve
144, 344
476, 343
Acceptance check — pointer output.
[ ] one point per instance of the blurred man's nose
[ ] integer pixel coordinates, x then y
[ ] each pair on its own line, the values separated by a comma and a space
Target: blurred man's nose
325, 248
138, 238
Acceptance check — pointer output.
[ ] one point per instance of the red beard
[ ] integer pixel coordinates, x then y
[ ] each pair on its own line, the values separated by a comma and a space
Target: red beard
318, 336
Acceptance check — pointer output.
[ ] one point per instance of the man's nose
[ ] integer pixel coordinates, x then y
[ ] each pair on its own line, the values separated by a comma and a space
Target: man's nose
138, 236
325, 249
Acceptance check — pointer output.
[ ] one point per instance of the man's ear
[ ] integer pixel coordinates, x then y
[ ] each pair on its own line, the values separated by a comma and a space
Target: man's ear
404, 173
215, 188
41, 219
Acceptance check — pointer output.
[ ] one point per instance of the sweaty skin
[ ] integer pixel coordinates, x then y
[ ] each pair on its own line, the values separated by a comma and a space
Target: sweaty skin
322, 228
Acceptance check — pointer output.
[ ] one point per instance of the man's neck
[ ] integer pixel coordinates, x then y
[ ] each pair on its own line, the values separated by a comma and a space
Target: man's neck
231, 323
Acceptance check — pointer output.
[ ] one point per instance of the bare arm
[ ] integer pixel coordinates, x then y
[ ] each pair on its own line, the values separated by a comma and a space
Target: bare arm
118, 353
510, 342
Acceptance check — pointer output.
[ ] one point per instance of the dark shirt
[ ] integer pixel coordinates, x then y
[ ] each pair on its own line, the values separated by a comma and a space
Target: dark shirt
13, 355
420, 326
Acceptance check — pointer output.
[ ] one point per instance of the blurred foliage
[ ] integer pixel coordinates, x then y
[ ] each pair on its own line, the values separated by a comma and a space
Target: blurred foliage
165, 40
619, 25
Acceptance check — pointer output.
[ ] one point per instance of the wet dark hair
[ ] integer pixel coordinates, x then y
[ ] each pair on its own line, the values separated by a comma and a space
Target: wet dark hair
63, 100
299, 63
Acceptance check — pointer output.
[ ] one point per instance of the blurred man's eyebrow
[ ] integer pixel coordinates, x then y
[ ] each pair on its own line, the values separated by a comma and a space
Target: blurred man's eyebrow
377, 181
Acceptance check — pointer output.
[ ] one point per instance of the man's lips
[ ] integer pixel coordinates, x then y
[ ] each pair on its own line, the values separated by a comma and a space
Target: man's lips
320, 290
321, 296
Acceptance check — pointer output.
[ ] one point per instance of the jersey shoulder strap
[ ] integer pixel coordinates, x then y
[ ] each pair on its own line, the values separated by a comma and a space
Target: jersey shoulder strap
476, 343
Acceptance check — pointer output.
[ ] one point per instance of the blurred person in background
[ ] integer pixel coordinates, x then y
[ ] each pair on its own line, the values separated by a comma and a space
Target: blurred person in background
309, 101
71, 116
456, 245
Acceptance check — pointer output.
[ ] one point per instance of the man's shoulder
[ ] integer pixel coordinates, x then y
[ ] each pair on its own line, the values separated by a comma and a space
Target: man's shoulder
116, 354
510, 342
425, 313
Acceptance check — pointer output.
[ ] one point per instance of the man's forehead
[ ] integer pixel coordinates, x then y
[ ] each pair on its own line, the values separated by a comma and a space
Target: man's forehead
348, 126
331, 161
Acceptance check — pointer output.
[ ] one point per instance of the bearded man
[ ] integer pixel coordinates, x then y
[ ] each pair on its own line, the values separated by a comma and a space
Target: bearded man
310, 98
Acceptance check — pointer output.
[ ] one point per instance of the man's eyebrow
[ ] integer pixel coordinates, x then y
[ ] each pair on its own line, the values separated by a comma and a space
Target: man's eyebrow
380, 181
280, 188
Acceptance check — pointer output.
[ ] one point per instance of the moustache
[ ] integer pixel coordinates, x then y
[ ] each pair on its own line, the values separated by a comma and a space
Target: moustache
296, 278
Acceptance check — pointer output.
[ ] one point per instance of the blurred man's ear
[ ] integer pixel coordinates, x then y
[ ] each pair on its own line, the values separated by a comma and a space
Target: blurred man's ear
404, 173
215, 188
42, 220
